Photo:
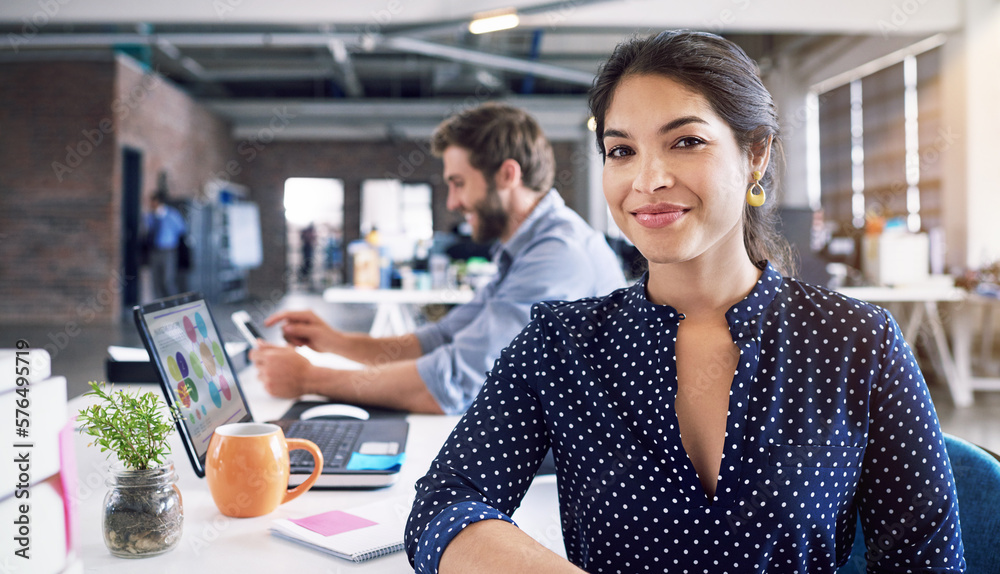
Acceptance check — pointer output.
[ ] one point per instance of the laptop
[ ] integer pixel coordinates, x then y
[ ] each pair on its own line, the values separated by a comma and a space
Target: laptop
196, 375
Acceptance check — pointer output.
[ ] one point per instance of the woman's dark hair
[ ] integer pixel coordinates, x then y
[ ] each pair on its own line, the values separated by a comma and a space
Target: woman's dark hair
727, 78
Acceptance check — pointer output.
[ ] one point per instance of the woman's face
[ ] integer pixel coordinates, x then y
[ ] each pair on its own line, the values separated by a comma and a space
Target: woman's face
674, 177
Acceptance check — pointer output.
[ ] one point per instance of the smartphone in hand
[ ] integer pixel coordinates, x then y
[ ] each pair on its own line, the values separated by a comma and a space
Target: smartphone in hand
247, 328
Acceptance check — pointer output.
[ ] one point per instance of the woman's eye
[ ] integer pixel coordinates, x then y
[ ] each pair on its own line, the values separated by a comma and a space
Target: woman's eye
619, 151
689, 141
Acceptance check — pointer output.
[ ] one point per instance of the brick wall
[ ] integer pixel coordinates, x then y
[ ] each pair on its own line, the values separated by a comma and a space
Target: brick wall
62, 127
56, 168
266, 170
174, 134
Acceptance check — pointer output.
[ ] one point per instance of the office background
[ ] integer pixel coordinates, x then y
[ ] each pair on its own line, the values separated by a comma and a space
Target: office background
884, 103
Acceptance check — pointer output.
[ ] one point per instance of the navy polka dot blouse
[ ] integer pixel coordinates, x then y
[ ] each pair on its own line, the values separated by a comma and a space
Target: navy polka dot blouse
829, 418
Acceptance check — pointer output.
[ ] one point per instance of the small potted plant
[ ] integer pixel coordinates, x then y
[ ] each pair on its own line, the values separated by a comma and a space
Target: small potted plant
143, 512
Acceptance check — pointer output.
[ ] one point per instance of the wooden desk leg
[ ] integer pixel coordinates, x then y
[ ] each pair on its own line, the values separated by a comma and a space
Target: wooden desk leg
961, 337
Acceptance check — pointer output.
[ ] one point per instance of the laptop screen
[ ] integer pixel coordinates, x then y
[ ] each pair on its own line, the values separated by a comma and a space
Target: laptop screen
183, 341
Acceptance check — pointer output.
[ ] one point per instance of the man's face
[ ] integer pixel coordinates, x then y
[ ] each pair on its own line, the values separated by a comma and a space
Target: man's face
470, 193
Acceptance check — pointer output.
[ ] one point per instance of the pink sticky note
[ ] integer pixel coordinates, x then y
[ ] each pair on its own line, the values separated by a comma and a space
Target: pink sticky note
333, 522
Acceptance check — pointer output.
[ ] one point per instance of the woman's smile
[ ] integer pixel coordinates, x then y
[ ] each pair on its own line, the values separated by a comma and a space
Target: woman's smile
655, 216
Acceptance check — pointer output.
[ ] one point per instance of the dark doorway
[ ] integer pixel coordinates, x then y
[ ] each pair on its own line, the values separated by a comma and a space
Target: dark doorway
131, 229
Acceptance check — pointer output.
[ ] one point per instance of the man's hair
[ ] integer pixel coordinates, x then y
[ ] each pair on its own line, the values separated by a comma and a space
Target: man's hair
493, 133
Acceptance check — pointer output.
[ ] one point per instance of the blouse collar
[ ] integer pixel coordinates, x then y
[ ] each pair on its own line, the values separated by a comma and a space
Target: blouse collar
759, 298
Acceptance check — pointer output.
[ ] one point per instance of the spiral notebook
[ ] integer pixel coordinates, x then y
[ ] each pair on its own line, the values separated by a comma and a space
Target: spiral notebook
356, 534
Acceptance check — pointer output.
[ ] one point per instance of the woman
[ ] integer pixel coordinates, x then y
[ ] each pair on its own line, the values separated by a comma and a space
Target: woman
716, 416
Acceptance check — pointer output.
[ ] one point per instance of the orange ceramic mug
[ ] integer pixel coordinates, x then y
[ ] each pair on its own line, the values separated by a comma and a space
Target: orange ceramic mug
247, 468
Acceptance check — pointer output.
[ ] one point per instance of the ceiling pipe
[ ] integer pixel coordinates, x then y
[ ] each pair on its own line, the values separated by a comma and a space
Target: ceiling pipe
489, 60
351, 84
184, 40
256, 40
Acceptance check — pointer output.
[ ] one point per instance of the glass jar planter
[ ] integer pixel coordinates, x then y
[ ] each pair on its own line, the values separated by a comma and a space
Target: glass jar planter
143, 512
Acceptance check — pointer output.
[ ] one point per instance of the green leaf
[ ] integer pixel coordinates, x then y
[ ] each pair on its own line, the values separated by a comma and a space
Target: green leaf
134, 427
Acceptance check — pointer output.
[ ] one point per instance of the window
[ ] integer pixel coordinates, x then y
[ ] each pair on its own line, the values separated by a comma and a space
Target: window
878, 132
400, 212
314, 215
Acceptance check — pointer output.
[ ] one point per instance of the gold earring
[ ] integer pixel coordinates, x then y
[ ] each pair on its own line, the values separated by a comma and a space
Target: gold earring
755, 195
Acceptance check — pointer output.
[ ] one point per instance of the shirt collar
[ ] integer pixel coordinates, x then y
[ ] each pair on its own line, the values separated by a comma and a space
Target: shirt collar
759, 298
508, 250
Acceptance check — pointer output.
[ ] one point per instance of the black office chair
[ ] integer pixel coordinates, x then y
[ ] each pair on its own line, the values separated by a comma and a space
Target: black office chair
977, 478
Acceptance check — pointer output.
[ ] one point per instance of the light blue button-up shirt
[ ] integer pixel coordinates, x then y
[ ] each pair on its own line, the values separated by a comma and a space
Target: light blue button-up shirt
553, 255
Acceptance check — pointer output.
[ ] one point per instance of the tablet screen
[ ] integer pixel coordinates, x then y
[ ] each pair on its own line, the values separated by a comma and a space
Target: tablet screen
194, 369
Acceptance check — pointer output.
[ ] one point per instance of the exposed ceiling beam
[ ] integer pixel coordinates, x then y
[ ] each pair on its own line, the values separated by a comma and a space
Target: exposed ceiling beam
351, 83
563, 118
487, 60
256, 40
182, 40
288, 72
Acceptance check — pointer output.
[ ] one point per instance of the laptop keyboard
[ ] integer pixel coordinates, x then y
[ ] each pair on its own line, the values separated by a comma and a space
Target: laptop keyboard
334, 438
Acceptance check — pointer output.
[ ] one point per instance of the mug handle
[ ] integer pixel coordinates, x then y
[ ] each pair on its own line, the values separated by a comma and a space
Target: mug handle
301, 443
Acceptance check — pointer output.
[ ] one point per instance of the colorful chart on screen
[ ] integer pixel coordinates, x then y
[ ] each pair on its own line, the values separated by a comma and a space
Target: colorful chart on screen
191, 350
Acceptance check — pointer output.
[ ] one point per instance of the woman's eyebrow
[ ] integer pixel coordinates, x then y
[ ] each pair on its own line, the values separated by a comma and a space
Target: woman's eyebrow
680, 122
664, 129
613, 133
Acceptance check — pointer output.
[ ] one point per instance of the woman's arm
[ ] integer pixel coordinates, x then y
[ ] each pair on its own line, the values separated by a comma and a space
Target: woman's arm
907, 498
498, 546
486, 465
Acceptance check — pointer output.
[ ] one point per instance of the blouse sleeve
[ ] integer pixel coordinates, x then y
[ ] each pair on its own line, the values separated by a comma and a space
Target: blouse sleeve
488, 462
907, 499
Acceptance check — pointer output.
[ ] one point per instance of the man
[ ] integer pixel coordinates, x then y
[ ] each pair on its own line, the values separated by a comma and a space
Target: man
499, 168
164, 229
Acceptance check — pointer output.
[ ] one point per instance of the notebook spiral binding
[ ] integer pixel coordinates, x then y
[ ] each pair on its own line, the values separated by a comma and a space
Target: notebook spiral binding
376, 552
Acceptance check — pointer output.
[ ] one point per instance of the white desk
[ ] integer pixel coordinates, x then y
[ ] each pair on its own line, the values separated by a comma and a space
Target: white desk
394, 312
962, 314
212, 542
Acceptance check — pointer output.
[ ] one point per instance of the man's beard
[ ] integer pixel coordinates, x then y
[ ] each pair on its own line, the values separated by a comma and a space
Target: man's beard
491, 215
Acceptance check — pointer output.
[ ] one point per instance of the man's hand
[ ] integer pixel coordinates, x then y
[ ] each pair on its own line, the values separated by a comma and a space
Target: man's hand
305, 328
283, 372
397, 384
